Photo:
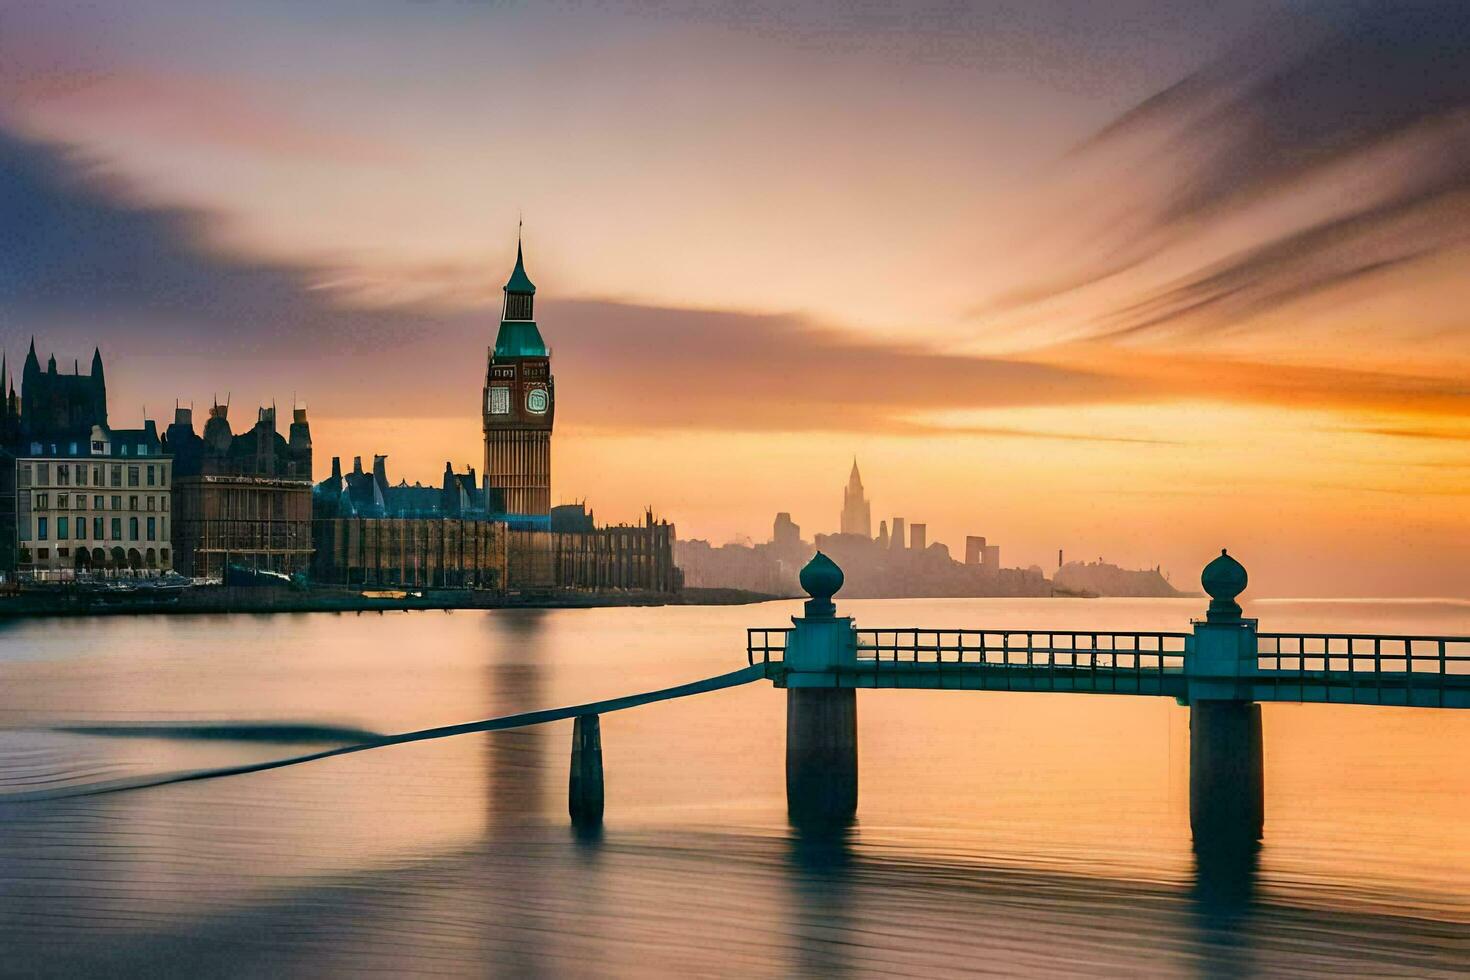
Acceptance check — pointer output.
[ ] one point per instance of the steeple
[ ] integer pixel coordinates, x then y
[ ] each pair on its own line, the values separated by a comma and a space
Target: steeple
33, 363
520, 291
855, 479
519, 336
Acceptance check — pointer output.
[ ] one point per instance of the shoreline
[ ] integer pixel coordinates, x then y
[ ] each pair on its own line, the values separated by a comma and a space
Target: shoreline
223, 600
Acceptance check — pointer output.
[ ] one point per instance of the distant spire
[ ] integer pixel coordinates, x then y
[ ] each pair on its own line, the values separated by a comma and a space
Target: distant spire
96, 362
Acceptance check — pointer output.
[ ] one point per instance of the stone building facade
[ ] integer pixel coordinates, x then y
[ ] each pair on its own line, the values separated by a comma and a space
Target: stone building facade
75, 493
241, 499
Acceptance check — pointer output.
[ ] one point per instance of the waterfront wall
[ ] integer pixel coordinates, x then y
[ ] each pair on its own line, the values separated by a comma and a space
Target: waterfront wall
448, 553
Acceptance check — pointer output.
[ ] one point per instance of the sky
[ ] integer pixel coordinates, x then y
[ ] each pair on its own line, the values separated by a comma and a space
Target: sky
1134, 280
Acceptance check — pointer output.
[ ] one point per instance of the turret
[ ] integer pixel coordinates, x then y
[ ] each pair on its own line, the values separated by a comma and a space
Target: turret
300, 444
99, 387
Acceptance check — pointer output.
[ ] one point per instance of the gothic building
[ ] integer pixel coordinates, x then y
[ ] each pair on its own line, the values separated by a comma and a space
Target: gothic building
518, 408
499, 533
75, 493
240, 499
857, 516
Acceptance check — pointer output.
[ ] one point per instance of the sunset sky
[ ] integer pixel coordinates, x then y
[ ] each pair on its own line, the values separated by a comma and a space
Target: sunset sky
1135, 279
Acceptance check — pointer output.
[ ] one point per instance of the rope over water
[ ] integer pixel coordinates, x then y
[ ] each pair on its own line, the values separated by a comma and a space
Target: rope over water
524, 720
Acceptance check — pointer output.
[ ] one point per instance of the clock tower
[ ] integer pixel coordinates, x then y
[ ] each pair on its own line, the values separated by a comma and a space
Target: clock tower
518, 406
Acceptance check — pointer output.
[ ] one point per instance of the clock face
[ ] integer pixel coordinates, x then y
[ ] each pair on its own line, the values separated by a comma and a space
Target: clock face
499, 401
536, 401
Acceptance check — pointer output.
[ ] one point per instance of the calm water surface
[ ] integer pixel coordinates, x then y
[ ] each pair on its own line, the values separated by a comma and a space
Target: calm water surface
998, 833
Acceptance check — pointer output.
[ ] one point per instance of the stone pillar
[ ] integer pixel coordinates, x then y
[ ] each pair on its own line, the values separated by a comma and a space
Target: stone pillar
821, 713
584, 792
1226, 772
1226, 783
821, 756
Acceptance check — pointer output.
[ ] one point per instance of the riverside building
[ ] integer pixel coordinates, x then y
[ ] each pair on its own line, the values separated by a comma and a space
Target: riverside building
75, 493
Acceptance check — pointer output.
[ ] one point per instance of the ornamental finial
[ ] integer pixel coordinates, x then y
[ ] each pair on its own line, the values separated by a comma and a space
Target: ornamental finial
1223, 580
821, 578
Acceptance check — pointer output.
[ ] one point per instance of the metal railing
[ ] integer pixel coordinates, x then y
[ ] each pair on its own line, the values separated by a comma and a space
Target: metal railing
1096, 660
765, 645
1363, 668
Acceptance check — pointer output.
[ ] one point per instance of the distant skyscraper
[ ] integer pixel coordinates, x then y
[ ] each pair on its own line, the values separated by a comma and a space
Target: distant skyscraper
785, 532
882, 534
857, 516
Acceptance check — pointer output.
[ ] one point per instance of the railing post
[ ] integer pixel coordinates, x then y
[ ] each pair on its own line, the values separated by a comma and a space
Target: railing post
1226, 761
821, 711
584, 791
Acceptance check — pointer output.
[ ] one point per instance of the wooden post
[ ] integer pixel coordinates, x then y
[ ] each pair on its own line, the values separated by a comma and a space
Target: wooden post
1226, 771
821, 756
584, 794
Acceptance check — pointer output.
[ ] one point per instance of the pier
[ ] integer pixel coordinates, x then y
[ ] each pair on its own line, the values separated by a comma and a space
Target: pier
1222, 669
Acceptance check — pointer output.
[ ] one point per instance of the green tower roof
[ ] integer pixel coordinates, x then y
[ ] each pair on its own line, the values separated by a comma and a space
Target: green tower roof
519, 338
519, 281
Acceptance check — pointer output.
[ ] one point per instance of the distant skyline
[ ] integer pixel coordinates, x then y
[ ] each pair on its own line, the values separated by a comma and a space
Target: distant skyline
1138, 279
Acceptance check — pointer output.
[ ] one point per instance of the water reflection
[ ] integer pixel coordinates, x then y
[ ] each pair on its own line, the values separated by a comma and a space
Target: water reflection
821, 913
1021, 833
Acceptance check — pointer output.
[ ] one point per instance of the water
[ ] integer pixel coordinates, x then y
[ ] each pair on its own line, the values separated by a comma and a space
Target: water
998, 833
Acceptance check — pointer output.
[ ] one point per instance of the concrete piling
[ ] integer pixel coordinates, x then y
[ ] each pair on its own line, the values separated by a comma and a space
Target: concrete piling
584, 791
1226, 771
821, 756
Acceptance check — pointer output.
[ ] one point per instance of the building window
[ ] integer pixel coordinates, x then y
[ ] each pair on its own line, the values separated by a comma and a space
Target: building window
63, 552
142, 450
150, 503
132, 529
73, 449
122, 449
163, 554
97, 501
63, 501
117, 529
81, 527
43, 474
43, 552
98, 446
117, 476
42, 501
97, 476
499, 400
63, 530
25, 476
163, 502
152, 527
63, 475
96, 529
132, 476
133, 502
116, 502
81, 475
40, 529
151, 476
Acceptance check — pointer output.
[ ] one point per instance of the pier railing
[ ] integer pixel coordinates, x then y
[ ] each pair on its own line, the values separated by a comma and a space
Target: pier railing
1359, 668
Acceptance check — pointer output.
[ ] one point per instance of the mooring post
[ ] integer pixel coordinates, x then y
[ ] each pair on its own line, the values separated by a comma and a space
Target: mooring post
821, 710
584, 791
1226, 759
